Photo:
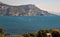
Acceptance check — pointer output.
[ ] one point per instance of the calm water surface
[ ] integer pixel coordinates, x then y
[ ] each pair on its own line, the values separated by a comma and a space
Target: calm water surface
23, 24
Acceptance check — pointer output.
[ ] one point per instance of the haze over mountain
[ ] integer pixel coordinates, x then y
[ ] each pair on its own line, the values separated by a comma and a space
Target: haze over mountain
23, 10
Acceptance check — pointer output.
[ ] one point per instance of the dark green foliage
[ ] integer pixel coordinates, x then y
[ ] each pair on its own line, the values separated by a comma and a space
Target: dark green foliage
1, 31
33, 34
26, 35
55, 34
41, 33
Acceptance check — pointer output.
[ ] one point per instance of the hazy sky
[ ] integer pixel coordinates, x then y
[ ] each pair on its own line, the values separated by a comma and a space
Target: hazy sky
48, 5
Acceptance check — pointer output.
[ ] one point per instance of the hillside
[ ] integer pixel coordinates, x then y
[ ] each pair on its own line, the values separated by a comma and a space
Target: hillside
23, 10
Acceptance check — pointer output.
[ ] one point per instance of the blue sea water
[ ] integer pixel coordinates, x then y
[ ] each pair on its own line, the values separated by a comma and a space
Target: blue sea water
23, 24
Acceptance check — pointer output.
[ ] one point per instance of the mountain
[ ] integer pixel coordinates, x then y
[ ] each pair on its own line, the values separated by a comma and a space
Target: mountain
23, 10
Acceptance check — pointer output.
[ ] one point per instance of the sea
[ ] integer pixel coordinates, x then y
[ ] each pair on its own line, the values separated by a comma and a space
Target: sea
16, 25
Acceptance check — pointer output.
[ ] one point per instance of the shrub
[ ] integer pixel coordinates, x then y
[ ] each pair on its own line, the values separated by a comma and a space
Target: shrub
41, 33
33, 34
1, 31
55, 34
26, 35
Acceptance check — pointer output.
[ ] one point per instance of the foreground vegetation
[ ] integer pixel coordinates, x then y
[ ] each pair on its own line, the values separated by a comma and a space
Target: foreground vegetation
40, 33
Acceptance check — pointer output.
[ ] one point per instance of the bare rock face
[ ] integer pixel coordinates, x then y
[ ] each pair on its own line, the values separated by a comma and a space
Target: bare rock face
23, 10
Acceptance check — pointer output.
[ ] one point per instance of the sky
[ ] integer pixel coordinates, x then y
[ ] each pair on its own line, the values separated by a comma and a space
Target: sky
52, 6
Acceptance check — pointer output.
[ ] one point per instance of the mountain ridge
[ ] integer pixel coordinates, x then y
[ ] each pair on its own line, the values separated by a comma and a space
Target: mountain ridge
23, 10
